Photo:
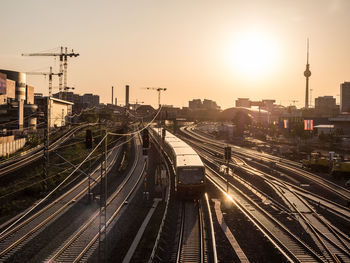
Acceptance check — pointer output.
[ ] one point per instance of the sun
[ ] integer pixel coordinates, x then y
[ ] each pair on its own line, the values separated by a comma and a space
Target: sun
253, 54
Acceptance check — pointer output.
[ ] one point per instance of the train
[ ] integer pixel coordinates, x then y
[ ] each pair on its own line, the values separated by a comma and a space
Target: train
188, 167
334, 164
340, 167
316, 162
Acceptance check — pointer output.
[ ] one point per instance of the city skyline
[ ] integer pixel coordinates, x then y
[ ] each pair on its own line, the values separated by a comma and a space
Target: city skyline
220, 51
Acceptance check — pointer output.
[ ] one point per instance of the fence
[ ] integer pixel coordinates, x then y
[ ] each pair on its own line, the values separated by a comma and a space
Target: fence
7, 148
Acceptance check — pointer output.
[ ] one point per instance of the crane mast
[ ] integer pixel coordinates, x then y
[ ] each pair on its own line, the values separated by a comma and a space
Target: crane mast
159, 90
63, 55
50, 74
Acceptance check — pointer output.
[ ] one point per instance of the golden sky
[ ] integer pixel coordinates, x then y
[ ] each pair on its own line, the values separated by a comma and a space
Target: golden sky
219, 50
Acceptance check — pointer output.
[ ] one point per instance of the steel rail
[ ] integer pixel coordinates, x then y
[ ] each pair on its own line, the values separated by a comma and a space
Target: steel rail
160, 231
297, 187
337, 233
51, 216
318, 234
284, 164
202, 232
211, 223
182, 226
84, 228
314, 232
191, 238
111, 218
36, 155
287, 243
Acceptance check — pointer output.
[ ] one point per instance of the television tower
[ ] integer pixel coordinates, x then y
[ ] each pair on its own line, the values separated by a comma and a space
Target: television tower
307, 74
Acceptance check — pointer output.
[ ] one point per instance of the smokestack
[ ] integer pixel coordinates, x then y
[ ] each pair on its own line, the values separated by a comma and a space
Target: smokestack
127, 96
112, 94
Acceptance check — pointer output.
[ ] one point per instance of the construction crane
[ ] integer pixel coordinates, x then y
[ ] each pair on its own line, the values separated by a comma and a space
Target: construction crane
50, 74
63, 55
136, 103
157, 89
294, 101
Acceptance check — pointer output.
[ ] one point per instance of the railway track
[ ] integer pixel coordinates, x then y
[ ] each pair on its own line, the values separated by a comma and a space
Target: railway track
194, 243
82, 244
36, 154
329, 239
286, 165
334, 242
191, 239
333, 207
20, 234
284, 240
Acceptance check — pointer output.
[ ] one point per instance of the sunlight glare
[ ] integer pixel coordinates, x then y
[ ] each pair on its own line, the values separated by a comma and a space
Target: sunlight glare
253, 54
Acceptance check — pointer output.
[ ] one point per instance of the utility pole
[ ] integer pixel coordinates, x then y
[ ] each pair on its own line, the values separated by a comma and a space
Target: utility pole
103, 207
46, 143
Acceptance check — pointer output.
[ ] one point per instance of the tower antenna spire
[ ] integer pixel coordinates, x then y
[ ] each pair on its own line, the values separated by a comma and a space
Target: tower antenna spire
307, 59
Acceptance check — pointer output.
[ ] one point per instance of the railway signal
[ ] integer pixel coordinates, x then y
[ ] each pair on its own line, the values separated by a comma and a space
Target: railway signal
163, 134
227, 153
88, 139
145, 139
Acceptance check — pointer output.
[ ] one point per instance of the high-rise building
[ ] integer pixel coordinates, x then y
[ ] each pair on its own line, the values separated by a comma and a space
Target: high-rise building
326, 106
210, 105
2, 83
195, 104
95, 100
243, 102
345, 97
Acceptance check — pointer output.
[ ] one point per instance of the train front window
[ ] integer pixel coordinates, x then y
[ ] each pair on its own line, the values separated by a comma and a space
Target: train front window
190, 175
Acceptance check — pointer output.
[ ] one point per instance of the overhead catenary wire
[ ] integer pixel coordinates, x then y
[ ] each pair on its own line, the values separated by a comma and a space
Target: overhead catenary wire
65, 169
78, 166
54, 190
57, 187
135, 132
69, 168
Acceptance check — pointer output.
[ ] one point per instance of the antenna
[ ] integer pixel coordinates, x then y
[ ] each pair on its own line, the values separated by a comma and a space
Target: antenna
307, 56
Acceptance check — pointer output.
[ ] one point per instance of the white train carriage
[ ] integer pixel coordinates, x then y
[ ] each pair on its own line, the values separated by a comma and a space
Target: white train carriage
189, 169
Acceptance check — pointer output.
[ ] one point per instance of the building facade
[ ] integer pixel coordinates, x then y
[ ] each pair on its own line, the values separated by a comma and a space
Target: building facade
210, 105
59, 109
243, 102
326, 106
195, 104
345, 97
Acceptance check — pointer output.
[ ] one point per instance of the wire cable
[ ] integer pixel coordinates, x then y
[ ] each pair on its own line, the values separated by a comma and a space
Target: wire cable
135, 132
54, 190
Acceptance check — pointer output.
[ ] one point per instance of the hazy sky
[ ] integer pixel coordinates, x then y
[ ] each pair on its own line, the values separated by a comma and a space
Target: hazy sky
219, 50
